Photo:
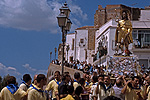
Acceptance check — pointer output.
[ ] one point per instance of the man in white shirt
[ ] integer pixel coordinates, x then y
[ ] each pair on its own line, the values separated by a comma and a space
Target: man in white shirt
118, 87
105, 89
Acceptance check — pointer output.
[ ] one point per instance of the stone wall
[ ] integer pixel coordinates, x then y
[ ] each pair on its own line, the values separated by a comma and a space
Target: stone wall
99, 16
53, 67
103, 15
91, 39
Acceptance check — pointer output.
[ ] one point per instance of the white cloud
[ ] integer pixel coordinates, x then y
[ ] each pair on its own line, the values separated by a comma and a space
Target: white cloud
2, 66
77, 11
34, 71
35, 14
76, 25
4, 70
29, 68
27, 14
11, 68
8, 70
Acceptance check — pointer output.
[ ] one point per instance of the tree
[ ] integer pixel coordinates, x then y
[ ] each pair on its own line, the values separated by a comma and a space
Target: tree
0, 82
3, 82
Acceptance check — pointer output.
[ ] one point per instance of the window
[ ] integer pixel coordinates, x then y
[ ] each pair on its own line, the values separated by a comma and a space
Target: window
147, 39
72, 44
81, 40
143, 61
134, 35
143, 36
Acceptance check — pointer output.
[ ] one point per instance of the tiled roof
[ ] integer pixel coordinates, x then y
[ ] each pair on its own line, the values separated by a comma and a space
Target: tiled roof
85, 27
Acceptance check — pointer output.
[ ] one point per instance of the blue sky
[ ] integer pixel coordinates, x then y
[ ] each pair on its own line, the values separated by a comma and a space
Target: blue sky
29, 30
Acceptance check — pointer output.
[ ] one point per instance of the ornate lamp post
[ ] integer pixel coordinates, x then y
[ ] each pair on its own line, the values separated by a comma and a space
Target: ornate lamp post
55, 52
67, 49
50, 56
65, 25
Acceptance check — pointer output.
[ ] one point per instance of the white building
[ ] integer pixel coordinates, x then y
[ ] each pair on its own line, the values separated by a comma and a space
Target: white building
83, 46
70, 39
141, 36
79, 43
106, 36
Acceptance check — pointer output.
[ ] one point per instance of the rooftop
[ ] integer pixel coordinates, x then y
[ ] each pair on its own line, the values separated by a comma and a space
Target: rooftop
85, 27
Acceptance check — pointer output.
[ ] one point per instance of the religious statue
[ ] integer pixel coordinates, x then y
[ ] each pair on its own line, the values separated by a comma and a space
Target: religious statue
123, 36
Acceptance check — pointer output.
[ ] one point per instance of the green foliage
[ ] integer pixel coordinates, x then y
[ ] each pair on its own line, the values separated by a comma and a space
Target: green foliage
0, 79
3, 82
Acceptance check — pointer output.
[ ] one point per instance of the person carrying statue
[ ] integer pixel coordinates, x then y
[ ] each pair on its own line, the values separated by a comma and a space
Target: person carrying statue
123, 36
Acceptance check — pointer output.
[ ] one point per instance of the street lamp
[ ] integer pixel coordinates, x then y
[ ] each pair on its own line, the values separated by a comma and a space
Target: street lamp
65, 9
55, 52
50, 56
68, 26
65, 25
67, 49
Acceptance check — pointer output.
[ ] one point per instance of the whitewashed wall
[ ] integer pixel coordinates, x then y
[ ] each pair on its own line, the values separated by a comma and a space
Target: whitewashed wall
80, 47
69, 41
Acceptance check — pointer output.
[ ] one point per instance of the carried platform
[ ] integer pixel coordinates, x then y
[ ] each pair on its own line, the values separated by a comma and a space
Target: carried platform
121, 65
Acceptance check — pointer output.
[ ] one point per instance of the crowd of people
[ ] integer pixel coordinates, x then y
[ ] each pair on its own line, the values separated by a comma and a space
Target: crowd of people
95, 86
116, 66
82, 66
